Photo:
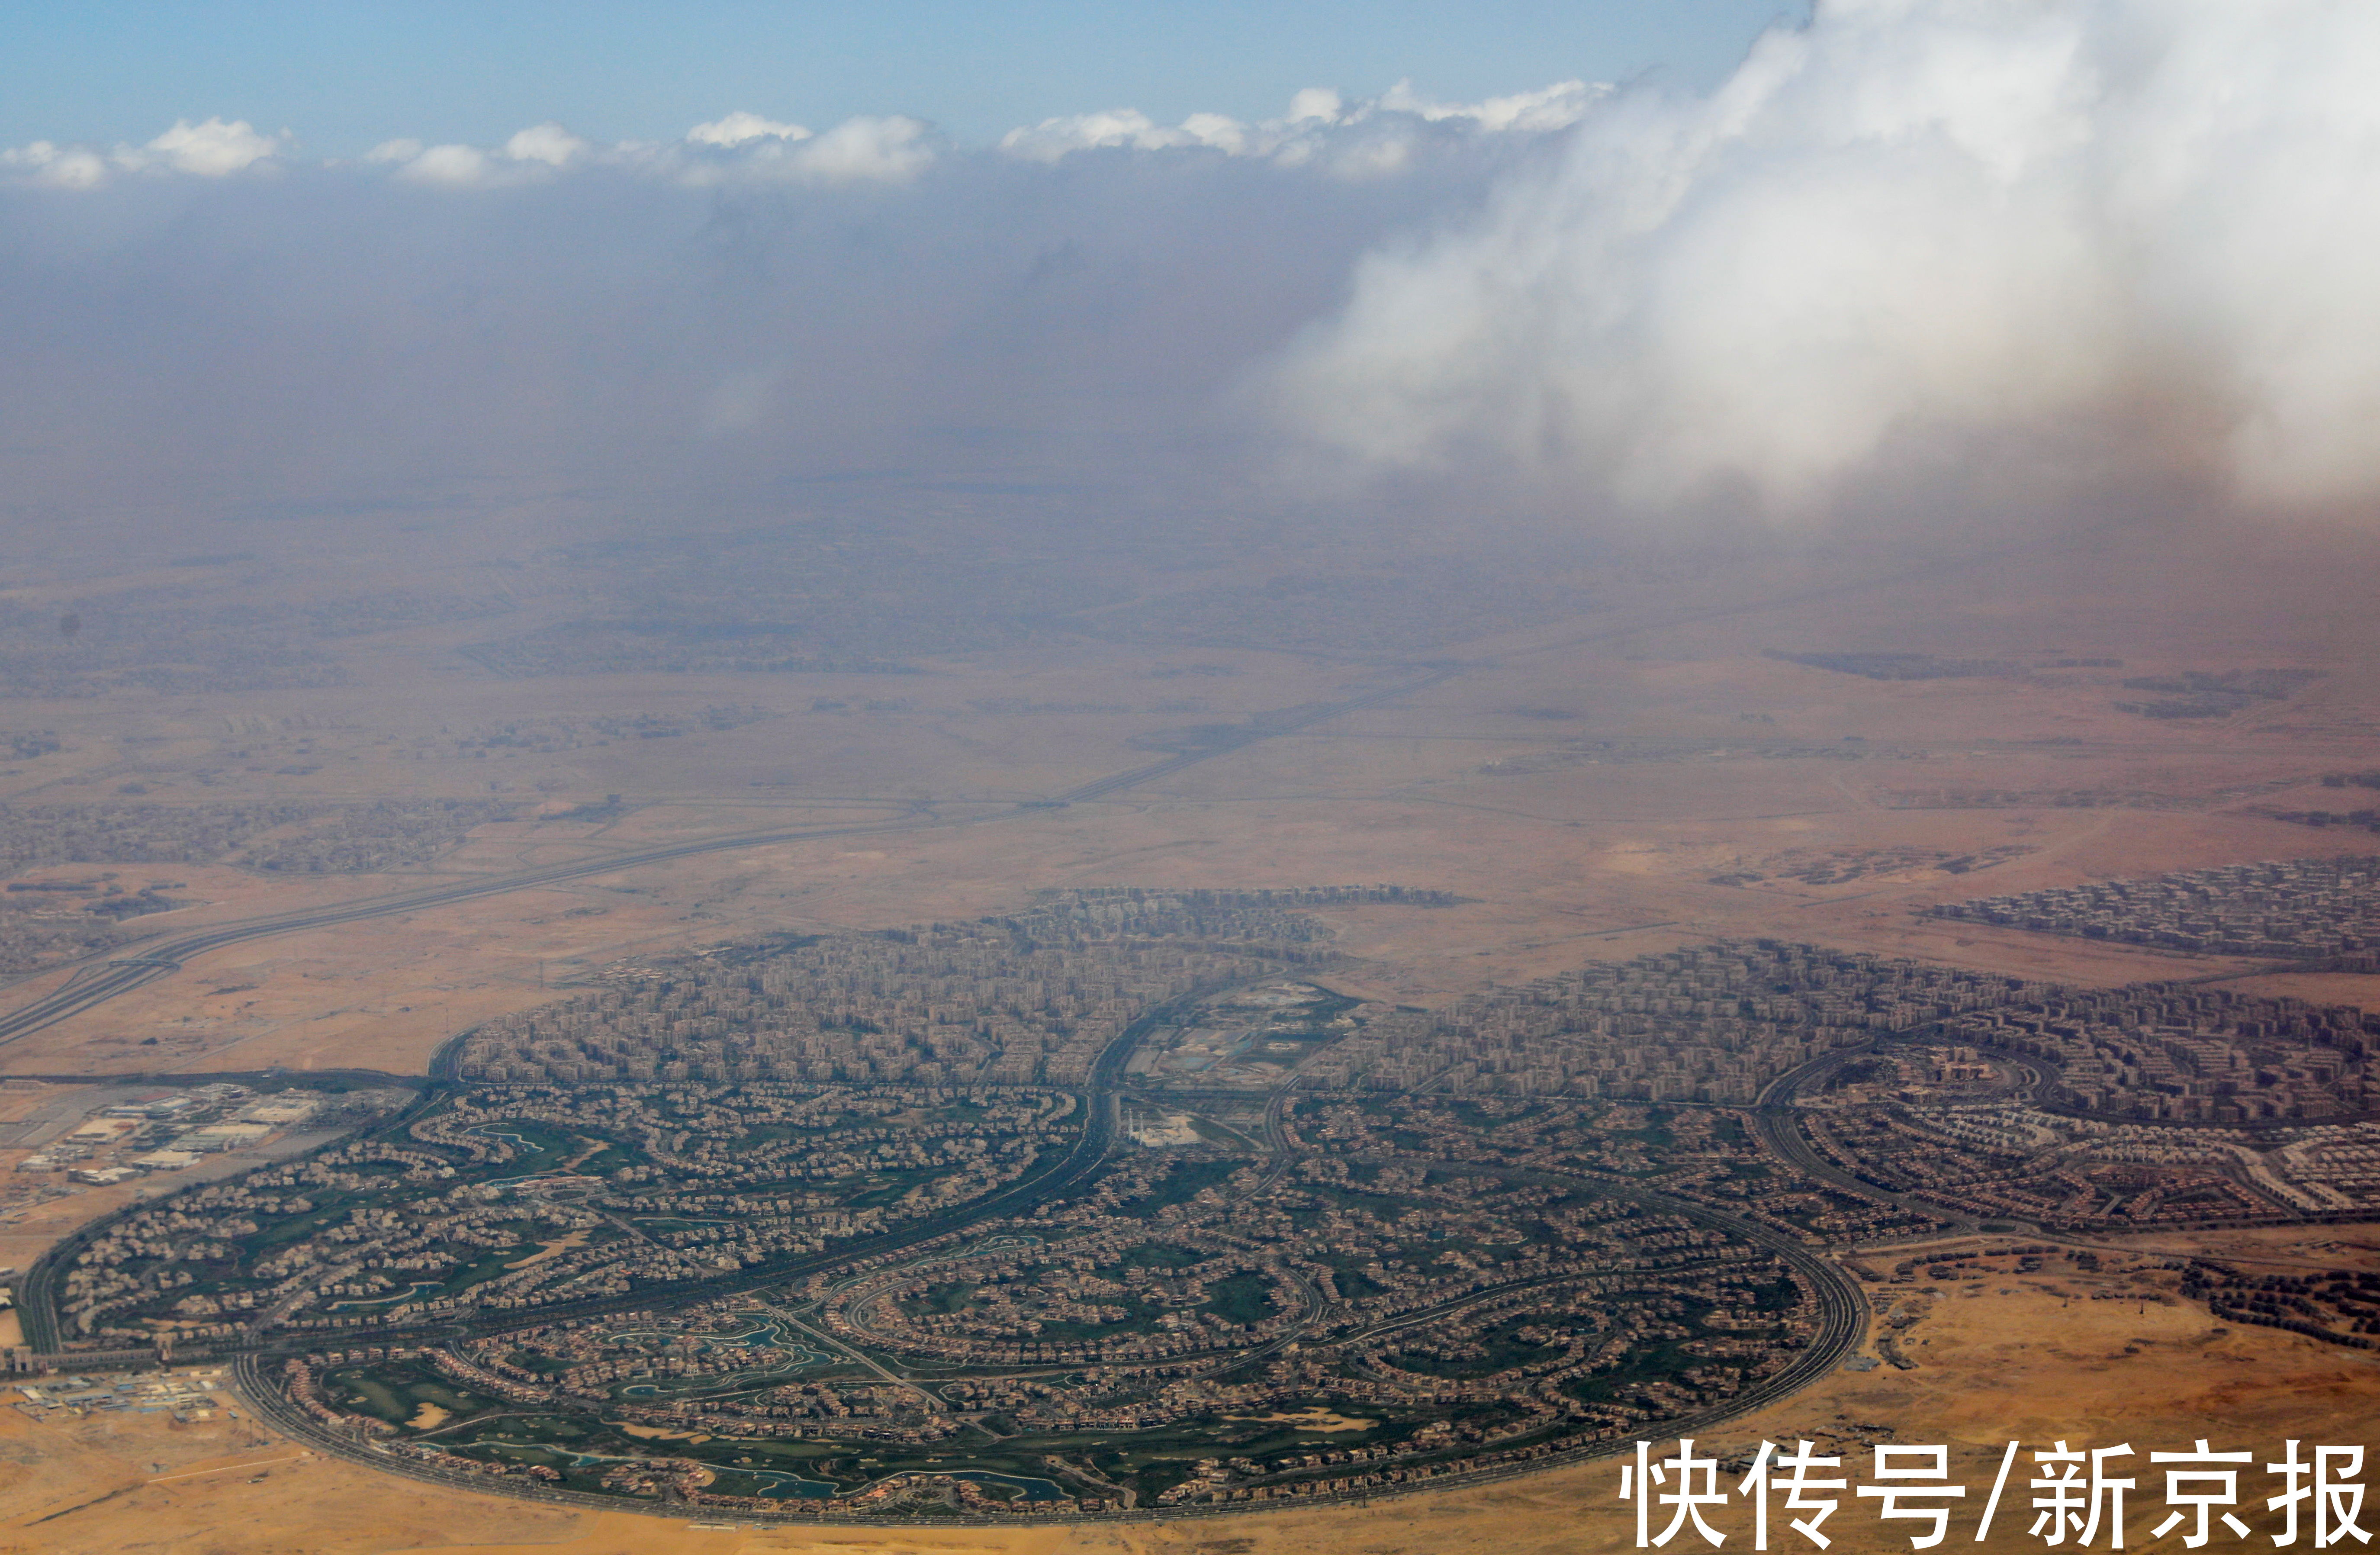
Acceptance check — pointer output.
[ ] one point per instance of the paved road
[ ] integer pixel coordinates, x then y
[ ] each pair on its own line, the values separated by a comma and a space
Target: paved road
99, 983
1777, 1123
95, 985
1843, 1310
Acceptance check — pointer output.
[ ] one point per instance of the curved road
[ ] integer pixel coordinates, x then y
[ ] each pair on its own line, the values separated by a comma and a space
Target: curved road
1070, 1171
1777, 1123
1841, 1308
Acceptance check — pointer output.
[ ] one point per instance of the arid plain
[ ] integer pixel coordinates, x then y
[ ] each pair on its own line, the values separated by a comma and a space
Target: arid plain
1629, 759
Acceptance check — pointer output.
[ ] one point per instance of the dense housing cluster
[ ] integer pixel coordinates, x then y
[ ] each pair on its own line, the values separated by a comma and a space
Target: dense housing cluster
2179, 1052
167, 638
1118, 1203
1004, 1001
2300, 909
282, 835
1706, 1024
2013, 1163
2214, 693
45, 929
385, 834
148, 640
33, 836
522, 1198
1700, 1155
1188, 1326
552, 735
1990, 1132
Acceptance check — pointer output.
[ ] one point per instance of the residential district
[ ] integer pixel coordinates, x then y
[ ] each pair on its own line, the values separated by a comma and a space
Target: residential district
1122, 1203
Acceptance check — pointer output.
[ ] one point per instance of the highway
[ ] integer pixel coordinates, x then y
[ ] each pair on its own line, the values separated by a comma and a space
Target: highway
1777, 1121
97, 984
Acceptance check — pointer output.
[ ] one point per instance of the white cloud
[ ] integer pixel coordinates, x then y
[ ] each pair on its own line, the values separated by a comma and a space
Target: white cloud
1321, 128
863, 149
1125, 127
1317, 103
528, 156
738, 128
212, 148
1558, 106
72, 167
1936, 222
1370, 135
457, 166
548, 143
1214, 129
737, 146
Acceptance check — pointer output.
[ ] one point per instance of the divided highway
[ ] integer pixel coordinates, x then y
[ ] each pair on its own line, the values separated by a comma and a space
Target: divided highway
98, 984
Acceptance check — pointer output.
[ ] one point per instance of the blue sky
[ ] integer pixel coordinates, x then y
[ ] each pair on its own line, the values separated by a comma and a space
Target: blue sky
347, 74
1913, 239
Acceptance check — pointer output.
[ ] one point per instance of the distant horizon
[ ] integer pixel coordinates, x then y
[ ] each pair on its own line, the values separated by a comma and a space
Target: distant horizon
339, 81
